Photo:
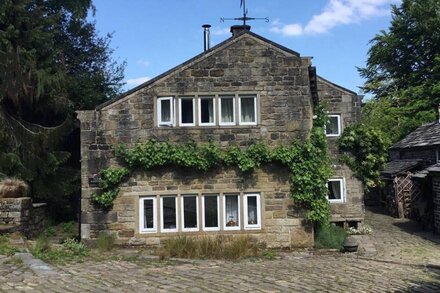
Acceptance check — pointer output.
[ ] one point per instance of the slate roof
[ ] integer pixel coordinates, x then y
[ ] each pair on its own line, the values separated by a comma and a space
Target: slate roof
399, 166
426, 135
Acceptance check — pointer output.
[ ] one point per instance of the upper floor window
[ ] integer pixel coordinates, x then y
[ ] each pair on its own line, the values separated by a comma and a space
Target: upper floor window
202, 110
336, 190
186, 111
206, 111
165, 111
333, 125
248, 110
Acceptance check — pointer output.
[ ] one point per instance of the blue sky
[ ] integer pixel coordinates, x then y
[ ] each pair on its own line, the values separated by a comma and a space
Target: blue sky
154, 36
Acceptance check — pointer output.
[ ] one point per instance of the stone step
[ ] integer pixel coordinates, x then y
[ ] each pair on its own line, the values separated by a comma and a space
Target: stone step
7, 228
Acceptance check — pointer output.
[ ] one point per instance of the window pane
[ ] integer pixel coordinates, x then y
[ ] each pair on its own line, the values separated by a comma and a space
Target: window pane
187, 111
227, 109
165, 110
252, 210
169, 212
247, 109
334, 190
231, 211
211, 211
148, 214
207, 110
332, 126
190, 211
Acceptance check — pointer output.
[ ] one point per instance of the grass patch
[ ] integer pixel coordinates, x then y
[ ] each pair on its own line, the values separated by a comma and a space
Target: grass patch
106, 242
70, 251
330, 237
6, 248
209, 247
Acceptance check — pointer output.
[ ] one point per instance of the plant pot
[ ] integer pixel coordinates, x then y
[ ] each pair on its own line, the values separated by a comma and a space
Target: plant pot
350, 244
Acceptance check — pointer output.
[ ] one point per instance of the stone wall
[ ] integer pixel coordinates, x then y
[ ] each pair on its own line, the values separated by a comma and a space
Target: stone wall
283, 225
347, 104
20, 214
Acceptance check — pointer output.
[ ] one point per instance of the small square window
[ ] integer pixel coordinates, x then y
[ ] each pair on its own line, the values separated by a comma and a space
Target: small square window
165, 111
333, 125
148, 214
190, 215
168, 210
206, 111
252, 211
227, 110
231, 212
211, 215
248, 110
336, 190
186, 111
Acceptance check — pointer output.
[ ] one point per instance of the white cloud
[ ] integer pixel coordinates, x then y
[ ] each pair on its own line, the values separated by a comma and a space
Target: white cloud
143, 62
137, 81
335, 13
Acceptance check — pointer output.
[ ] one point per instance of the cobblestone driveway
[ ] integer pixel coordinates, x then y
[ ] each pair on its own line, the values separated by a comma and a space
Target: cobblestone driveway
390, 270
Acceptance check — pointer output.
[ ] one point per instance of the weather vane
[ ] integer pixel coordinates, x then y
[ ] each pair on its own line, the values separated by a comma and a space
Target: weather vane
244, 18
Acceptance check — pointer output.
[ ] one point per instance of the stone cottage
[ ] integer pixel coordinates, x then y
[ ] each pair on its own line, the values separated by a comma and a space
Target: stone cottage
413, 176
244, 89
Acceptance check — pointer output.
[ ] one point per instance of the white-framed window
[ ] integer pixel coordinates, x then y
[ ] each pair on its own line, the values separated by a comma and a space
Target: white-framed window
247, 108
190, 213
333, 125
252, 211
336, 190
168, 214
186, 111
227, 110
207, 111
231, 212
210, 212
147, 215
165, 111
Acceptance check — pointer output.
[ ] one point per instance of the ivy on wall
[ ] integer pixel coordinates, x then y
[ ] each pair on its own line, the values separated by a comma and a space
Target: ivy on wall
308, 164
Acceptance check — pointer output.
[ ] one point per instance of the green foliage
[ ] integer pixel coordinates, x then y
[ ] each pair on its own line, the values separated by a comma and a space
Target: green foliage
365, 152
6, 248
403, 70
308, 164
52, 63
70, 251
110, 179
106, 242
330, 237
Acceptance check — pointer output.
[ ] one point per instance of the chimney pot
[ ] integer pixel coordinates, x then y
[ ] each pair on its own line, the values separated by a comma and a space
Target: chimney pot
206, 37
237, 29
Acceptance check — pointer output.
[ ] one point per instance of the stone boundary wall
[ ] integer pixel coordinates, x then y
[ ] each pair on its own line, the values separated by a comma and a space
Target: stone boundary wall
20, 214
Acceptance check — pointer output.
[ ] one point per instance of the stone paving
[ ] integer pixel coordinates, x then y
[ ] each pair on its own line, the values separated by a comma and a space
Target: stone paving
400, 265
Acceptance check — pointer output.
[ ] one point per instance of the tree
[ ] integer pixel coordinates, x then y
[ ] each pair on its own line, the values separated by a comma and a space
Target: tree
47, 49
403, 69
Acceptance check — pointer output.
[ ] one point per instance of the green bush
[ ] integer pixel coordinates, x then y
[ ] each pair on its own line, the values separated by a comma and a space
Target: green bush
330, 236
106, 242
70, 251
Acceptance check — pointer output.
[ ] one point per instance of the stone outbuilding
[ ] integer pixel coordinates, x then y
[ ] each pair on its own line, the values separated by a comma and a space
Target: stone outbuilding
244, 89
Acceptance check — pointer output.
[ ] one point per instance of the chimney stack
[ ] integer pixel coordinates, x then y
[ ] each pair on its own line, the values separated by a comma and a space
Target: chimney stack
238, 29
206, 41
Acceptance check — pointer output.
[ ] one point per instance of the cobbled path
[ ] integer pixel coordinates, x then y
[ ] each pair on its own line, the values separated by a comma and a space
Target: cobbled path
398, 271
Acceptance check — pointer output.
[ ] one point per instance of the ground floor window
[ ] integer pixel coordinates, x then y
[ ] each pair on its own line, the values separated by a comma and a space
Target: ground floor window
336, 190
199, 212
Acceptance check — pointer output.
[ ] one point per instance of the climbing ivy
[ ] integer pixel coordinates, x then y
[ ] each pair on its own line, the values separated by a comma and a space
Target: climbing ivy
308, 163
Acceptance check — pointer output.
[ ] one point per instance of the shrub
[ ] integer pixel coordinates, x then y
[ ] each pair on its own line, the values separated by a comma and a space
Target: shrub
106, 242
70, 251
211, 247
330, 236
